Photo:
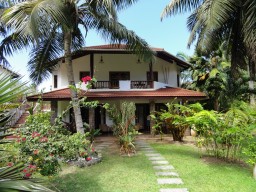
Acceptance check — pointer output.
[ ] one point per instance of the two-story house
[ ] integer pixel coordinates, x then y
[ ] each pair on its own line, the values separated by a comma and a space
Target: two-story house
121, 76
5, 70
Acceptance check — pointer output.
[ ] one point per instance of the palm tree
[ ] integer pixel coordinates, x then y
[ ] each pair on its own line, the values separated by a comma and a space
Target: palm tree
51, 26
215, 21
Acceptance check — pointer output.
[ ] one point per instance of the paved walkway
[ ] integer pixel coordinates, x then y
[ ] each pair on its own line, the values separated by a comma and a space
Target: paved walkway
165, 172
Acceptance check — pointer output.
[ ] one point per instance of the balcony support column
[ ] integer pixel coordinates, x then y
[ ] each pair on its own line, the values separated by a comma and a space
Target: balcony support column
92, 65
54, 110
152, 109
151, 75
92, 118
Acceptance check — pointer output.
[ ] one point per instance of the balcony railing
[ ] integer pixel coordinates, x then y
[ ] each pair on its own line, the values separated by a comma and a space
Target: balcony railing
123, 85
106, 85
141, 84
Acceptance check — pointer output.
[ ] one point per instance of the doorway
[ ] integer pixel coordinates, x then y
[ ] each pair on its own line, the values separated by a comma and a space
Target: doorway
142, 112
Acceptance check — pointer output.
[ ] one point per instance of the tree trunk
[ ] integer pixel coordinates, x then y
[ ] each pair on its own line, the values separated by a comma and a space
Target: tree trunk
216, 104
252, 79
254, 171
71, 81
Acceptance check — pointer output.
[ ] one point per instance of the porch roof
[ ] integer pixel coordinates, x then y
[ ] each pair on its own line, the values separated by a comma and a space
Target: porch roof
163, 93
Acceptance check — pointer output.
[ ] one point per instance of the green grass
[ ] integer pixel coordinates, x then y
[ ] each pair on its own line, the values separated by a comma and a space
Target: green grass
136, 174
206, 174
114, 174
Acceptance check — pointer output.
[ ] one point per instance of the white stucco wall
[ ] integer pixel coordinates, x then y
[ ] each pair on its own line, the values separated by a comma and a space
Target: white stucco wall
62, 106
115, 63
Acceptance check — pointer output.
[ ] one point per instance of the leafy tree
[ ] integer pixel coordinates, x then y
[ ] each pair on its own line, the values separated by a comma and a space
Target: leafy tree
212, 74
51, 26
214, 21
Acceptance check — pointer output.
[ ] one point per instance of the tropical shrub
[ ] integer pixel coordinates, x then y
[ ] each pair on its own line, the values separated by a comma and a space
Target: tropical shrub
15, 176
224, 135
174, 118
250, 152
42, 144
124, 125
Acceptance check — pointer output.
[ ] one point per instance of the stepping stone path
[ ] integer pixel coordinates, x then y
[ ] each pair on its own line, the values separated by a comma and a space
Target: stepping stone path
102, 146
165, 171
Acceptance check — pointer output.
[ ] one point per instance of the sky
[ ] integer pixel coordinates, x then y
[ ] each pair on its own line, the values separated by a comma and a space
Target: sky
144, 19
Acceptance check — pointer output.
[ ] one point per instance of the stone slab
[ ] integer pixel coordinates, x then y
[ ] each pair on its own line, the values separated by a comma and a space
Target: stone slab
102, 146
155, 158
160, 162
167, 174
174, 190
163, 167
174, 181
153, 154
148, 151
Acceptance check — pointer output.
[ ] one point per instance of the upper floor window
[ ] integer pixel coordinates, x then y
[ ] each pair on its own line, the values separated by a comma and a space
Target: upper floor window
155, 76
55, 81
116, 76
178, 80
83, 74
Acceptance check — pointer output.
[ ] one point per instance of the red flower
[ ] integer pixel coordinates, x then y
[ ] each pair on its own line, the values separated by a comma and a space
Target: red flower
27, 175
25, 170
35, 134
88, 158
44, 139
86, 79
93, 149
36, 151
23, 139
32, 166
10, 164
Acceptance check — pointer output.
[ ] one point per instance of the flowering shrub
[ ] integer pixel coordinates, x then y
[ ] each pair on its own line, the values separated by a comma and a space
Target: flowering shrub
40, 144
43, 145
86, 79
28, 171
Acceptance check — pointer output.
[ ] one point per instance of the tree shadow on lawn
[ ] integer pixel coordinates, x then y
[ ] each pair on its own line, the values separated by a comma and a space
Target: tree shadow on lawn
76, 182
109, 175
177, 150
183, 151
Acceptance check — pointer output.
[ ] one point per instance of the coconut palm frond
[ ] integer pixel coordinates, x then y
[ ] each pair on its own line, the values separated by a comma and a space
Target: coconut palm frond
179, 6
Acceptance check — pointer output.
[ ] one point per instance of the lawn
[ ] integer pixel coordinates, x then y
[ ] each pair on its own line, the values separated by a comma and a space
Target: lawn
114, 174
207, 174
135, 174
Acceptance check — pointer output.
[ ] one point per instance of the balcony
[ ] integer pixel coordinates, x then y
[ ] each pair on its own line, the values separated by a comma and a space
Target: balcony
123, 85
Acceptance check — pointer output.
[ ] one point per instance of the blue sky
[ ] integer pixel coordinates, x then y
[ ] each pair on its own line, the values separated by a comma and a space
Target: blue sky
143, 18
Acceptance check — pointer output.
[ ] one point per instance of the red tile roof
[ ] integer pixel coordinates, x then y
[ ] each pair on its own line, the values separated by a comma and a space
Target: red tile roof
170, 92
115, 47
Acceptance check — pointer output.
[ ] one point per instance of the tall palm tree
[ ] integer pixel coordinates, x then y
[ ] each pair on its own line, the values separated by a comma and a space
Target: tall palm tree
51, 27
214, 21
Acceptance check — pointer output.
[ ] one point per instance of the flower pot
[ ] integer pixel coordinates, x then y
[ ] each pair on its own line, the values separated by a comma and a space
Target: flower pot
193, 132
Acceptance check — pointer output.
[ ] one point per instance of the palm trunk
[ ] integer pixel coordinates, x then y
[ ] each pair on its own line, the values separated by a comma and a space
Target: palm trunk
71, 82
252, 79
